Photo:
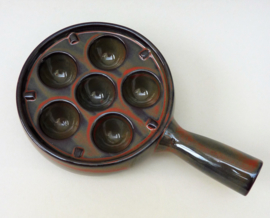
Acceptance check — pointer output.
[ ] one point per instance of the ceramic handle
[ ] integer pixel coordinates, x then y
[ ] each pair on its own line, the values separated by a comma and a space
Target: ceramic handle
227, 165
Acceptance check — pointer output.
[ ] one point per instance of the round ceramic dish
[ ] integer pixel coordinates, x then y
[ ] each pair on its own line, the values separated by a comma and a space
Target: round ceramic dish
97, 96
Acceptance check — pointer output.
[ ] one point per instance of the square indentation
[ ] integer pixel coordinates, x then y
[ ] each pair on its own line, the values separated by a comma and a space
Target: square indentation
30, 95
144, 54
78, 152
73, 38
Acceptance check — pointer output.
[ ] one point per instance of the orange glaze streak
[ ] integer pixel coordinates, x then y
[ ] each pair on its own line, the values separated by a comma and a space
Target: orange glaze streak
85, 56
165, 83
79, 138
99, 33
119, 81
161, 136
136, 68
37, 61
34, 96
156, 109
188, 138
123, 108
127, 113
56, 98
36, 114
76, 82
119, 86
245, 162
90, 170
41, 106
252, 163
91, 120
112, 33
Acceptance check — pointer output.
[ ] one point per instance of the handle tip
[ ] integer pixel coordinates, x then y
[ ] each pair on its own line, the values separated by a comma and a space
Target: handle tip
254, 176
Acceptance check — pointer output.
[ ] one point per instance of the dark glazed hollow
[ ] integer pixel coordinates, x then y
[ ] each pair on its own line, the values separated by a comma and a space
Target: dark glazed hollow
96, 160
59, 120
95, 93
141, 89
120, 142
107, 53
58, 70
112, 133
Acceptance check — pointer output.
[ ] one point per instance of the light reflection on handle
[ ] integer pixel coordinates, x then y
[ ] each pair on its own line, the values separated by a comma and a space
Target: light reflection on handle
227, 165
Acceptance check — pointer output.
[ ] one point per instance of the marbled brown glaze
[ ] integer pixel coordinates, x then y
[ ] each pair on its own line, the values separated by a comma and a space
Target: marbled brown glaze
88, 117
227, 165
33, 96
151, 125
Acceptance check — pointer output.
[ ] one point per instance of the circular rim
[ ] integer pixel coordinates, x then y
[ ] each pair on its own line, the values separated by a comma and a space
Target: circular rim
53, 102
95, 74
104, 36
145, 72
53, 53
50, 41
94, 126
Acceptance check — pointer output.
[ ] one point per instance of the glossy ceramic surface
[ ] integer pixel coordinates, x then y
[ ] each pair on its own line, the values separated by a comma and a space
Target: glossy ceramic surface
112, 133
95, 93
141, 89
59, 120
97, 97
227, 165
107, 53
57, 70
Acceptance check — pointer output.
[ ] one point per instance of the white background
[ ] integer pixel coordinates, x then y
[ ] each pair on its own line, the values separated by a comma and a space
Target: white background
218, 53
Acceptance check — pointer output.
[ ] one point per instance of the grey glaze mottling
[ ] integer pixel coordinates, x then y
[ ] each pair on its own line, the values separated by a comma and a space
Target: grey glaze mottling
98, 97
227, 165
